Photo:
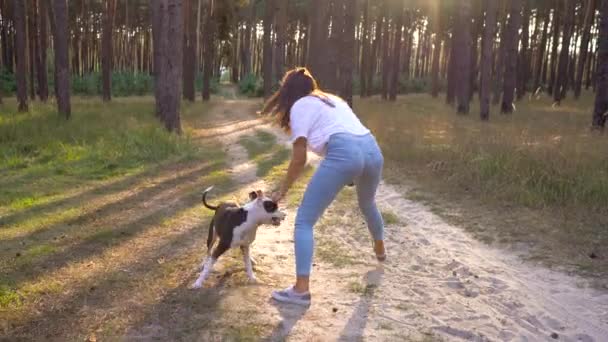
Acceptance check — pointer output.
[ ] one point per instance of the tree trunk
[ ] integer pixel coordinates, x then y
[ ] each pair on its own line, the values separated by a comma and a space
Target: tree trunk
373, 54
247, 46
396, 55
499, 69
107, 53
168, 32
600, 112
436, 55
451, 91
540, 57
462, 41
582, 57
280, 28
555, 27
43, 86
561, 79
319, 29
32, 46
512, 42
385, 53
62, 61
267, 58
485, 82
189, 53
365, 40
349, 12
21, 57
523, 64
209, 49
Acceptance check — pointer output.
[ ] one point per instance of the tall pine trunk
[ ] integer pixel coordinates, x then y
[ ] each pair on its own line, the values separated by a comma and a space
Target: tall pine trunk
396, 55
436, 54
510, 58
499, 68
247, 46
189, 51
555, 30
107, 49
32, 27
62, 61
281, 37
462, 43
20, 53
365, 39
540, 55
347, 51
43, 84
385, 53
485, 82
561, 79
208, 48
267, 58
169, 35
600, 112
584, 49
523, 65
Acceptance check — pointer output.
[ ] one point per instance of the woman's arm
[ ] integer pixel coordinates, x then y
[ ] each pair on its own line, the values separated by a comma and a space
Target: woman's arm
298, 161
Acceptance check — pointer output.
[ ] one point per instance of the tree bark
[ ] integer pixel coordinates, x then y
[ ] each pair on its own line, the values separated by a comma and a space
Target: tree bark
499, 69
450, 96
247, 46
319, 29
561, 79
555, 27
385, 53
462, 41
32, 28
512, 42
21, 56
600, 112
43, 84
280, 28
169, 35
107, 53
373, 54
189, 51
396, 55
365, 40
62, 61
523, 65
436, 55
485, 82
347, 51
584, 49
267, 58
209, 49
540, 56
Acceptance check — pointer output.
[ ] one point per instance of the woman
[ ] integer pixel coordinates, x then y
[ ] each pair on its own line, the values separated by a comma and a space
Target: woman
326, 124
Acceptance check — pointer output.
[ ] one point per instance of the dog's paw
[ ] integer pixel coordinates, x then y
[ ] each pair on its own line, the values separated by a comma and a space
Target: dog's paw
252, 280
196, 286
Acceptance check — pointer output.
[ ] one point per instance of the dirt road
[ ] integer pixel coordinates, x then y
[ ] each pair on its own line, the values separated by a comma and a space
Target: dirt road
438, 281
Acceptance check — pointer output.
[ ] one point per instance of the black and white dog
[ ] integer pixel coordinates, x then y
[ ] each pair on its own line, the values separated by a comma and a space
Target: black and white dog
236, 226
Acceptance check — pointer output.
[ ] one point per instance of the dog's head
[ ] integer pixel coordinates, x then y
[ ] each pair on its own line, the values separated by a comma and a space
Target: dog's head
263, 209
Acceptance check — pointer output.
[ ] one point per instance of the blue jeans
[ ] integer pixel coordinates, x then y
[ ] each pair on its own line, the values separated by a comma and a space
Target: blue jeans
349, 158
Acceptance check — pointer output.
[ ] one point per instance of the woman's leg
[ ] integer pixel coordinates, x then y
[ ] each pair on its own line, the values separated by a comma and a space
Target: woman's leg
325, 184
367, 184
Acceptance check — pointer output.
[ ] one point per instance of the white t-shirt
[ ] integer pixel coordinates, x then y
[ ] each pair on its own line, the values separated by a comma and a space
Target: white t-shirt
316, 121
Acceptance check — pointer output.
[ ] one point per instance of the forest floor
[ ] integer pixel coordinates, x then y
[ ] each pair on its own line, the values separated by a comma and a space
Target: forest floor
121, 267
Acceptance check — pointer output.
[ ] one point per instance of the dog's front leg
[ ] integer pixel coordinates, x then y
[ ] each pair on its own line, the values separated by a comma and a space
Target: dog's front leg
248, 266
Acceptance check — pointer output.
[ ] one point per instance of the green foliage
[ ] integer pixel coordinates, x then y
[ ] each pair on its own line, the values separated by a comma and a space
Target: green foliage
41, 153
251, 86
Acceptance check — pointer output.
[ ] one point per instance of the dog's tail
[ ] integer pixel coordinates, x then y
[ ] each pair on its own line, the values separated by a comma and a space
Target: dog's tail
205, 199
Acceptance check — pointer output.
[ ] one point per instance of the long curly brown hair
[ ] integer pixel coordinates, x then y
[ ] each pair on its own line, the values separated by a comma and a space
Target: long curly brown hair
296, 84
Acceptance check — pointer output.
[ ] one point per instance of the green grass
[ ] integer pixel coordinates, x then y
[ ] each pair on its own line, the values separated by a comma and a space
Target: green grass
390, 218
263, 150
42, 155
540, 158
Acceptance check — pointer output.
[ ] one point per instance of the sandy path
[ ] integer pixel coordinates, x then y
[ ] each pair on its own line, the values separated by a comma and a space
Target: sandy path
438, 280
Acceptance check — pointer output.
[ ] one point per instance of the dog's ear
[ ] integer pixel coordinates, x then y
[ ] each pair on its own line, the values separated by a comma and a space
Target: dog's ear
260, 193
253, 195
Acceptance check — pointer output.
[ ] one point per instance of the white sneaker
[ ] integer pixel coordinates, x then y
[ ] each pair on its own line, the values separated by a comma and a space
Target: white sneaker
289, 295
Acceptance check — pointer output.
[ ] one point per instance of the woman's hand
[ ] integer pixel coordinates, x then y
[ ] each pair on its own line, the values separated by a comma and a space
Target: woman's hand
298, 161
